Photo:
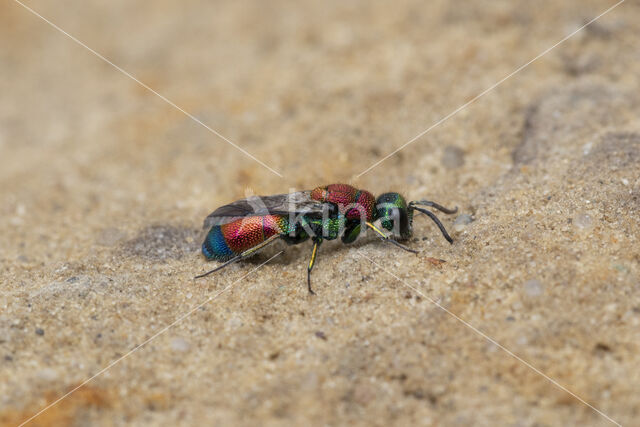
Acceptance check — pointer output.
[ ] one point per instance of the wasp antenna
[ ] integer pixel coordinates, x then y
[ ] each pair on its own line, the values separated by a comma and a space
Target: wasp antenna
434, 205
436, 220
220, 267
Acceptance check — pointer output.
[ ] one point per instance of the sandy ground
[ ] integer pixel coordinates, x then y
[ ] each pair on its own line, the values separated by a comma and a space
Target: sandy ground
104, 186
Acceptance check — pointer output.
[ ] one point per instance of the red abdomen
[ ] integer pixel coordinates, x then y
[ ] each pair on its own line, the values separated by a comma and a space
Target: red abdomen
353, 203
227, 240
247, 232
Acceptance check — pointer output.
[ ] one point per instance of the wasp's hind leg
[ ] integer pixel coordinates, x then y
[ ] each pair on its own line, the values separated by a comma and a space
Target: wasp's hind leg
386, 238
243, 255
316, 243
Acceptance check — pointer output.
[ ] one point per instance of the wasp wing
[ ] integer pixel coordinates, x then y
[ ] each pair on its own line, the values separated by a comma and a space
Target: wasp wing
280, 204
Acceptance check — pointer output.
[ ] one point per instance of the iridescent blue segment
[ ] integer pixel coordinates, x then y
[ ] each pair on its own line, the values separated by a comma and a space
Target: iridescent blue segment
215, 247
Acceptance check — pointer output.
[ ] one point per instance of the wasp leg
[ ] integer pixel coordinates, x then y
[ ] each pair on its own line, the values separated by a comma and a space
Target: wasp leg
243, 255
386, 238
434, 205
437, 221
316, 243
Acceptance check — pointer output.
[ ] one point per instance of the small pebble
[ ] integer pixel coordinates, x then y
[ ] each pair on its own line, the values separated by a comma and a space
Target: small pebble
452, 157
582, 221
461, 222
180, 345
39, 331
533, 288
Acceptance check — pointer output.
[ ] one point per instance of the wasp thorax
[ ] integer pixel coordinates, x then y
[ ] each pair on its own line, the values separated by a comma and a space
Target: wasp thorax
392, 212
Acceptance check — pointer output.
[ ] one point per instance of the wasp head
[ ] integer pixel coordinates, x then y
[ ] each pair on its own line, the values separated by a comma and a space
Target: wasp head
394, 215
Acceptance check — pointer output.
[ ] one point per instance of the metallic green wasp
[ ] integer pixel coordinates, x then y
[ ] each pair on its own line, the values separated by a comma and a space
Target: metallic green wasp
242, 228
